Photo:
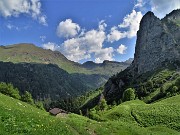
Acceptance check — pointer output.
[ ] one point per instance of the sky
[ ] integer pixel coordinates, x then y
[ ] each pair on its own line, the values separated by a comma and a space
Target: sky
82, 30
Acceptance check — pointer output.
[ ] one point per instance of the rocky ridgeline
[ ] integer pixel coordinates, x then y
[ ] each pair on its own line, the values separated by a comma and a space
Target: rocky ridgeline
158, 42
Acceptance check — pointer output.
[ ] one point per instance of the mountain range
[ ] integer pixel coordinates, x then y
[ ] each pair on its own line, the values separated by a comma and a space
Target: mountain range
142, 99
49, 74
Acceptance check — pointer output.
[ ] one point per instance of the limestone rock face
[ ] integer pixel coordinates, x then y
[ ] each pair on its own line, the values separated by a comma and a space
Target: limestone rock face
158, 42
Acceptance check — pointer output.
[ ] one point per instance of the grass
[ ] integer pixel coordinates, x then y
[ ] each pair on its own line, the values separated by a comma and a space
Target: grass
19, 118
30, 53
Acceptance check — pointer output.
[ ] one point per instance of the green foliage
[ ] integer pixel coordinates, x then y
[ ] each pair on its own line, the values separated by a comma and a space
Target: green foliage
149, 84
8, 89
48, 80
129, 94
157, 85
39, 104
102, 104
177, 83
174, 89
27, 97
17, 117
74, 104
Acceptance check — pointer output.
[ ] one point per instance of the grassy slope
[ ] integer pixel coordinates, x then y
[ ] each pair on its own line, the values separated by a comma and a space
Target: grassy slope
164, 113
31, 53
162, 78
19, 118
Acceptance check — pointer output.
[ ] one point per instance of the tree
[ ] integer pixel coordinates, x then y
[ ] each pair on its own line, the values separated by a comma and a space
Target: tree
165, 87
128, 94
174, 89
27, 97
39, 104
102, 104
9, 90
149, 84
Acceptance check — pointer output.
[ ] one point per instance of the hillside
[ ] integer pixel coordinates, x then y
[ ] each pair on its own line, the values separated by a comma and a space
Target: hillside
30, 53
49, 74
130, 118
107, 68
156, 63
47, 81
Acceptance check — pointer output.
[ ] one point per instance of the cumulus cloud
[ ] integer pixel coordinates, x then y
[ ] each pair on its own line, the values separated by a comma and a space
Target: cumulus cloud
14, 8
131, 22
115, 35
82, 44
50, 45
163, 7
104, 54
102, 25
67, 29
121, 49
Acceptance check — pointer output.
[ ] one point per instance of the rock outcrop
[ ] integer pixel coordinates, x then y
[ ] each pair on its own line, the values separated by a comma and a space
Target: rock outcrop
158, 42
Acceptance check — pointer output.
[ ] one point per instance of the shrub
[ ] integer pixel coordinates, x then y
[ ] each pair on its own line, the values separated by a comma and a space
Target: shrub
174, 89
129, 94
39, 105
165, 87
102, 104
9, 90
27, 97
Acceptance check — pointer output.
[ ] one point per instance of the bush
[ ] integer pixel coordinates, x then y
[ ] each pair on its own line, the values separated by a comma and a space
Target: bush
102, 105
129, 94
9, 90
39, 105
165, 87
27, 97
174, 89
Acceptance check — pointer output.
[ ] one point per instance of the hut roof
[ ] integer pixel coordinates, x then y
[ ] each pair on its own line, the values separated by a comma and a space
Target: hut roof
56, 111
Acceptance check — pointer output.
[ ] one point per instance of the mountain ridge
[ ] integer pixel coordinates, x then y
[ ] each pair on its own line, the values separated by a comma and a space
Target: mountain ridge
70, 79
156, 47
30, 53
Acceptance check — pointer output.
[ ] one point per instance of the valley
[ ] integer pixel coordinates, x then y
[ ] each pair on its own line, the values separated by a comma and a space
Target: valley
43, 91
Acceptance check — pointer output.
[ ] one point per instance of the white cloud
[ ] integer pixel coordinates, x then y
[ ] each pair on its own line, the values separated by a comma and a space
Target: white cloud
42, 20
14, 8
87, 45
74, 49
102, 25
115, 35
104, 54
121, 49
67, 29
163, 7
131, 22
10, 27
50, 45
139, 4
42, 38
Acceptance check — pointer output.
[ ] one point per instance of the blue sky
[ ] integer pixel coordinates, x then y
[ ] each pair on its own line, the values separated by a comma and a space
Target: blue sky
82, 30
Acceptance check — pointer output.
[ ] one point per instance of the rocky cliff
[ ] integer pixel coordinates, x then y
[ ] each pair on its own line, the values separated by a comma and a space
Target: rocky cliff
158, 42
